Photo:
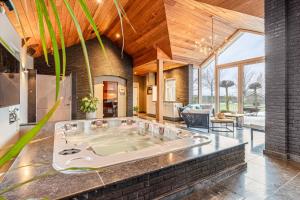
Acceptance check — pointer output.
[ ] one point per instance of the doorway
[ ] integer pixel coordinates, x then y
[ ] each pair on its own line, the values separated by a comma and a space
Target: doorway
135, 95
110, 99
112, 94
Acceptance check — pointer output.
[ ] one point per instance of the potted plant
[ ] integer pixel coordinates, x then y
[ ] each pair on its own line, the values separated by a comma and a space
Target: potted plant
135, 110
88, 105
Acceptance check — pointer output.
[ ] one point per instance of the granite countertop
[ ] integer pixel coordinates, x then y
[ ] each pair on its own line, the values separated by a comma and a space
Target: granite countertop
59, 185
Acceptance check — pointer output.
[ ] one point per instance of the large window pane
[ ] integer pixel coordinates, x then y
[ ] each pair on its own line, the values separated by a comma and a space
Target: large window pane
208, 83
195, 85
254, 94
170, 90
246, 46
228, 89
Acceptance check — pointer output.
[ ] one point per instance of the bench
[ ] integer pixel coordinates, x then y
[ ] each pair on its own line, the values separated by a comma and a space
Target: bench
257, 128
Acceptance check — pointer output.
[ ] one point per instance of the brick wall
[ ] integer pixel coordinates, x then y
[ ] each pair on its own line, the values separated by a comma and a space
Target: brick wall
115, 66
169, 180
282, 26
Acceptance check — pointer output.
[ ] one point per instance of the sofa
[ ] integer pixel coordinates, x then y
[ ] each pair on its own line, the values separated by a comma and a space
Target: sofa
197, 115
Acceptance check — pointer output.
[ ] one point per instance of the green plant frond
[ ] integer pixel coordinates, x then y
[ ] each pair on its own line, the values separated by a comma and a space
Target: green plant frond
61, 35
18, 185
42, 29
27, 137
19, 22
84, 49
120, 6
2, 198
54, 45
89, 17
116, 2
45, 175
6, 46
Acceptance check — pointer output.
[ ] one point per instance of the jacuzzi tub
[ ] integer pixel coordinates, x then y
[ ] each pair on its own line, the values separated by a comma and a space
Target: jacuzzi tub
105, 142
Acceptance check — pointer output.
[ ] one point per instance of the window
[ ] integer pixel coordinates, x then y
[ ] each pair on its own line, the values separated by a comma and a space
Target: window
228, 89
246, 46
170, 90
254, 94
208, 83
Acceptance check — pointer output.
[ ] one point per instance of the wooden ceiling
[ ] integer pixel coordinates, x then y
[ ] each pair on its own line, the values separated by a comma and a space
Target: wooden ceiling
250, 7
104, 14
168, 29
204, 23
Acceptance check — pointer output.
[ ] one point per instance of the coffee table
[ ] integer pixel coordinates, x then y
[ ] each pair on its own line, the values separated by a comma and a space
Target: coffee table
221, 122
239, 118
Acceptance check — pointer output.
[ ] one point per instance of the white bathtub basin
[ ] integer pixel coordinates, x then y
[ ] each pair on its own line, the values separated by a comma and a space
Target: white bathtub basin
96, 144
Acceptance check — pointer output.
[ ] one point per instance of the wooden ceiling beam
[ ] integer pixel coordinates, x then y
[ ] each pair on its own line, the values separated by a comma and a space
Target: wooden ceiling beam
250, 7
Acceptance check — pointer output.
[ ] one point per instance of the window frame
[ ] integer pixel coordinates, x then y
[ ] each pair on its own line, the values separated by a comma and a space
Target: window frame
166, 89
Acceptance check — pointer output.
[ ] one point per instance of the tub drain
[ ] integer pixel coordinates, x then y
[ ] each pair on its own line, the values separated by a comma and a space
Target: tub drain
69, 152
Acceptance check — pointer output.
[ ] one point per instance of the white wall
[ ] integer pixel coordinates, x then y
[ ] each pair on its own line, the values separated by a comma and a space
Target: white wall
11, 37
8, 132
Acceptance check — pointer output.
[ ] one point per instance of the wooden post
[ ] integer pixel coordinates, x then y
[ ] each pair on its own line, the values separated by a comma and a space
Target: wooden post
217, 80
240, 88
200, 98
160, 82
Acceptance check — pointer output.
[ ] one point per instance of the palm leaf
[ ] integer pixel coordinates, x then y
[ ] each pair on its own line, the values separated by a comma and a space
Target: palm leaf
6, 46
45, 175
93, 23
54, 44
42, 30
19, 22
119, 6
119, 10
15, 186
61, 35
84, 49
25, 139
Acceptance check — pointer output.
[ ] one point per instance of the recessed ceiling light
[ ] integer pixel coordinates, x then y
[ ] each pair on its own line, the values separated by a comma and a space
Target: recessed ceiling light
118, 35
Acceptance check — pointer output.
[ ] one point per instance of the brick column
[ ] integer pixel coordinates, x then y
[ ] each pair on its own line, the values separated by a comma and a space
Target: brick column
276, 78
282, 21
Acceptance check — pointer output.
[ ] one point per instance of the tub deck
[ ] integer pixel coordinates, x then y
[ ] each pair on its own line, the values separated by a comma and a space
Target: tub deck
122, 180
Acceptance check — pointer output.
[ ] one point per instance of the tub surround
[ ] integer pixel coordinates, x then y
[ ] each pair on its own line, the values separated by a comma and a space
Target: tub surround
115, 141
148, 178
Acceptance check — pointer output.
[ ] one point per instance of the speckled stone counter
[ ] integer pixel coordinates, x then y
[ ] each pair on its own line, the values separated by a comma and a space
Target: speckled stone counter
143, 179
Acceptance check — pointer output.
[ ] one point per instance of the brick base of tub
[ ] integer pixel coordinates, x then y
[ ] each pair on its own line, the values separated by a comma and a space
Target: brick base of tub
173, 181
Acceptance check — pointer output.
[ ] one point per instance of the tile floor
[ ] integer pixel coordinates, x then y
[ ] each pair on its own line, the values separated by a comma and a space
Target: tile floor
265, 177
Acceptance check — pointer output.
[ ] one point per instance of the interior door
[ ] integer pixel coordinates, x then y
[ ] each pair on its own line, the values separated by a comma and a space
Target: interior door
110, 99
45, 97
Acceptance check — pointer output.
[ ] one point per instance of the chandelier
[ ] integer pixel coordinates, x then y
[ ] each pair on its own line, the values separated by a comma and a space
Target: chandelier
206, 45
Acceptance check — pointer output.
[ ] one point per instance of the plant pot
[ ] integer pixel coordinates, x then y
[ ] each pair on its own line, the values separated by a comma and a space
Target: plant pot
92, 115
